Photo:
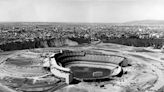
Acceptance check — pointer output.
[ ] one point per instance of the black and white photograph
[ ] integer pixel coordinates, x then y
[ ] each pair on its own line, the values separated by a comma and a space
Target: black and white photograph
81, 45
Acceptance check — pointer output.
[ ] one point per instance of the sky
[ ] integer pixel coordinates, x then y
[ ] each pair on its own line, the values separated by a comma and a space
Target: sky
92, 11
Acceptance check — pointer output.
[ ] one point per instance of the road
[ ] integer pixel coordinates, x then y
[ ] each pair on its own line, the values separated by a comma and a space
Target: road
154, 66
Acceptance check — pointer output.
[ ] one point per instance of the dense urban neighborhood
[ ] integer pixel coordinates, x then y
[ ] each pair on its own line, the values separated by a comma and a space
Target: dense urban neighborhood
38, 35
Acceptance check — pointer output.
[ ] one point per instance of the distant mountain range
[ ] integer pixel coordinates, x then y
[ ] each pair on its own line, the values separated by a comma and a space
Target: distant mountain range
74, 23
146, 22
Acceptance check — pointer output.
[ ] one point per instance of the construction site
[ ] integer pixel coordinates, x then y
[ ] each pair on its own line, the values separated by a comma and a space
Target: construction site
99, 68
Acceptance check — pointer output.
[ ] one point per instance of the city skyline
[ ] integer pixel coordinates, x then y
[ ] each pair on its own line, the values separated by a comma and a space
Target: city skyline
90, 11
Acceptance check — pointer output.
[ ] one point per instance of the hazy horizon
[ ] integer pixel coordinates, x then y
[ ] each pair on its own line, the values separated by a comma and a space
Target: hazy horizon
81, 11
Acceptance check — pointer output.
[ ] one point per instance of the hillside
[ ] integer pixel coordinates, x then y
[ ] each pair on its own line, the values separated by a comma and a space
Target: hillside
146, 22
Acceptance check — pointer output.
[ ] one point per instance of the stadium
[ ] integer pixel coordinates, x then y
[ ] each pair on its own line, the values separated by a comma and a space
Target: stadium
86, 65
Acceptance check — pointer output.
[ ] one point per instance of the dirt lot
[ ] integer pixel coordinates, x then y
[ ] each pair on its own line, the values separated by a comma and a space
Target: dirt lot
145, 75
